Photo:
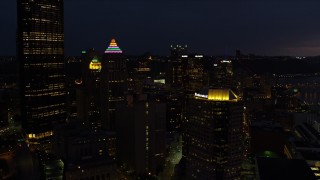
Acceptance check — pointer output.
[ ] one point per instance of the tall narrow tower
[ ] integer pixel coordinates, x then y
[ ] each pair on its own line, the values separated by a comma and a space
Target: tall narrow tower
89, 95
113, 82
222, 75
40, 52
177, 65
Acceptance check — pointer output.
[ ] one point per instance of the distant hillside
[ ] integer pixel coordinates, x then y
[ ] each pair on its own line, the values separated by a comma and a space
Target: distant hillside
279, 65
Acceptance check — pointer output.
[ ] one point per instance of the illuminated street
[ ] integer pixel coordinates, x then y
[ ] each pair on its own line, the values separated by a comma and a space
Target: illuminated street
173, 158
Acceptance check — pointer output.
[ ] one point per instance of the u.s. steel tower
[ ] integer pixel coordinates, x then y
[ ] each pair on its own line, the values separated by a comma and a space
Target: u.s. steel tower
40, 52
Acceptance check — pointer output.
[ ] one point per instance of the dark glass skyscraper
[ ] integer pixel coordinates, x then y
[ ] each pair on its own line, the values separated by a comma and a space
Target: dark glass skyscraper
213, 135
40, 52
113, 83
177, 65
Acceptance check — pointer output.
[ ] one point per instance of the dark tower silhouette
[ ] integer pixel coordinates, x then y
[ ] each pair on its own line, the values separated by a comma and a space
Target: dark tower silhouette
177, 65
89, 95
222, 75
113, 82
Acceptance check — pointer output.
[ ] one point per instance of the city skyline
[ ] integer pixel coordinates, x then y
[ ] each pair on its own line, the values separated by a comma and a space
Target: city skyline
212, 28
91, 92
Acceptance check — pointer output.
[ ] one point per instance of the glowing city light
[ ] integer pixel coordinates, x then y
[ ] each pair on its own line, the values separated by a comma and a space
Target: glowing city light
78, 81
113, 48
218, 95
226, 61
198, 56
95, 65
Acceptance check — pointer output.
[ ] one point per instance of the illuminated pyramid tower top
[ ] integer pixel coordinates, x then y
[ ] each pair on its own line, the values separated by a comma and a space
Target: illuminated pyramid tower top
113, 48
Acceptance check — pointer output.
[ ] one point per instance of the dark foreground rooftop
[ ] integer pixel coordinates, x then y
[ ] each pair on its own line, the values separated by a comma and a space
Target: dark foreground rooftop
279, 168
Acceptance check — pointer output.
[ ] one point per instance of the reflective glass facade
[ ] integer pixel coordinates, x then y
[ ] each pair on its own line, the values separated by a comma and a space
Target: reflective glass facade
40, 52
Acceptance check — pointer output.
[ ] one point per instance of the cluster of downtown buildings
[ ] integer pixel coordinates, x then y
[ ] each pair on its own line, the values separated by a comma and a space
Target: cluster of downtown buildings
105, 115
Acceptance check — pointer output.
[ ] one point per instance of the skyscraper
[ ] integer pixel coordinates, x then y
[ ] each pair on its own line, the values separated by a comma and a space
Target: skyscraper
195, 77
40, 52
113, 82
177, 65
89, 95
141, 133
213, 135
222, 75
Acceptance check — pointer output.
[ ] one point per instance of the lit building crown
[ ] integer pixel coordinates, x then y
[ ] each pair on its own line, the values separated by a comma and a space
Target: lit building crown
217, 95
113, 48
95, 64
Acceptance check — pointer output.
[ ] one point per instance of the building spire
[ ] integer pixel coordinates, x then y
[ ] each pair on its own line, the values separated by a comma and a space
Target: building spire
113, 48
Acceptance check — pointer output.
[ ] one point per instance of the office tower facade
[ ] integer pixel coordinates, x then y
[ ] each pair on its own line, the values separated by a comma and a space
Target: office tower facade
141, 73
73, 82
174, 112
86, 152
89, 93
141, 134
213, 135
40, 52
177, 65
9, 94
8, 72
4, 120
114, 83
222, 75
195, 76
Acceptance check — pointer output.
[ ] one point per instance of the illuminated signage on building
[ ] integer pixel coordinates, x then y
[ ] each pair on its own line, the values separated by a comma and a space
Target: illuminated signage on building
226, 61
113, 48
201, 95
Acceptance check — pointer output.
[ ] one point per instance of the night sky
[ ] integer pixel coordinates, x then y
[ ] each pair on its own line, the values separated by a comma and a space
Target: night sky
215, 27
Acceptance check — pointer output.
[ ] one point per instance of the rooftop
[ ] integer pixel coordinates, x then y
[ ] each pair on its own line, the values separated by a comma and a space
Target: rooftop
215, 94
